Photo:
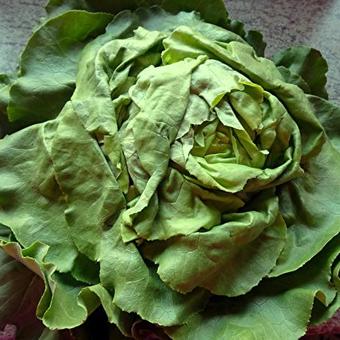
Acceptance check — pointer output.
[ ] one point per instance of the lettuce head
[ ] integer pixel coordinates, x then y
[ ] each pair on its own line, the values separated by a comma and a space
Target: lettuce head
156, 166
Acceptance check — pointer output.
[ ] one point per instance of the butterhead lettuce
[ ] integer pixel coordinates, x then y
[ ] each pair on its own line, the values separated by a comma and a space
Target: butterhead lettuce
156, 165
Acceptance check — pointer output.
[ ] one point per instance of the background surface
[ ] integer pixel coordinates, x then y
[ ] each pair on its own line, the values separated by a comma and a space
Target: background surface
283, 22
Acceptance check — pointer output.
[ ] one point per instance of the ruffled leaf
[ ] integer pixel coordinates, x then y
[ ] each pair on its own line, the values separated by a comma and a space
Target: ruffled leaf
229, 259
138, 289
78, 301
310, 207
30, 197
276, 307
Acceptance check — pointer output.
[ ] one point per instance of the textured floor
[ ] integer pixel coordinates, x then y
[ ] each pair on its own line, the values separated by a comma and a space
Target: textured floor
284, 23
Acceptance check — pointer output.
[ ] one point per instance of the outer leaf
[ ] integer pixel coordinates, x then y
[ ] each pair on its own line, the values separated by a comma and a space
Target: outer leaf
329, 116
5, 84
78, 302
293, 78
258, 317
137, 287
254, 38
310, 206
66, 181
54, 48
156, 18
307, 63
32, 258
93, 195
30, 198
106, 70
55, 7
65, 303
212, 11
276, 307
20, 309
63, 290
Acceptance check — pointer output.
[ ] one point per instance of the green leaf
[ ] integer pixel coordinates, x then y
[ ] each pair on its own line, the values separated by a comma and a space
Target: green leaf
293, 78
30, 198
310, 206
258, 317
184, 42
33, 258
309, 64
5, 84
54, 48
90, 275
103, 73
229, 259
329, 116
65, 303
55, 7
93, 195
137, 287
63, 290
254, 38
147, 137
79, 302
213, 11
156, 18
60, 198
278, 306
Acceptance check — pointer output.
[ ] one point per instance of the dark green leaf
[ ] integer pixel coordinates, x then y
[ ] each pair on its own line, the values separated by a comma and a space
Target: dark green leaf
309, 64
310, 207
329, 116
